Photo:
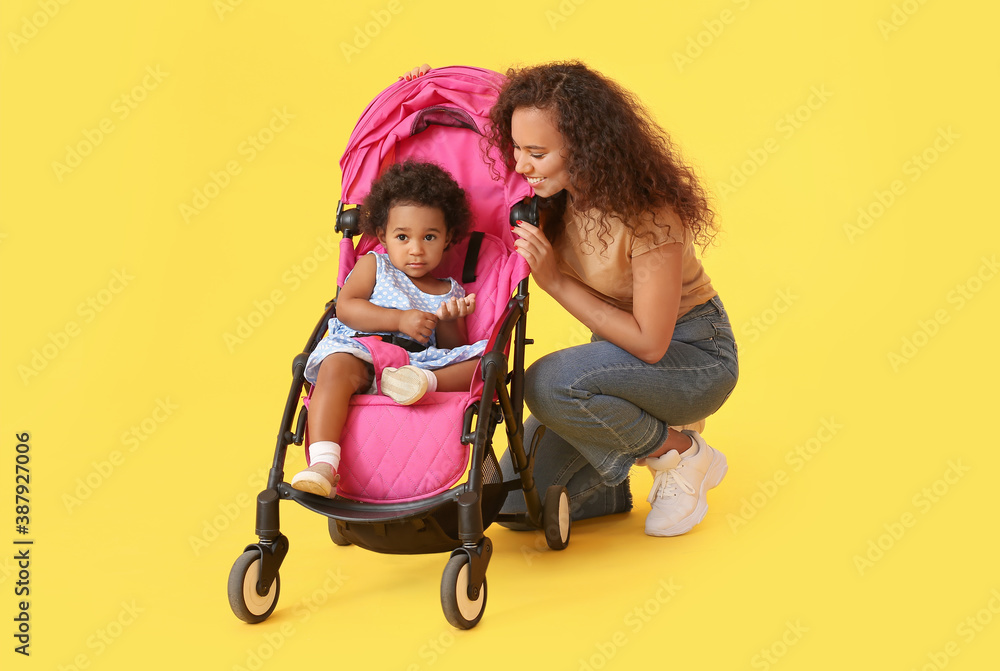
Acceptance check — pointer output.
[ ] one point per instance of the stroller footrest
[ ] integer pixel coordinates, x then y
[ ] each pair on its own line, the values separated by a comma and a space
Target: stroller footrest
351, 511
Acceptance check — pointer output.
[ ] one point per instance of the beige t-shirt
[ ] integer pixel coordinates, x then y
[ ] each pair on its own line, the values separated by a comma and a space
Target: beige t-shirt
607, 272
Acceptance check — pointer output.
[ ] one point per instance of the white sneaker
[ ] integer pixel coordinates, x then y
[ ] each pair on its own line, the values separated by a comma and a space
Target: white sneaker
405, 385
680, 487
698, 426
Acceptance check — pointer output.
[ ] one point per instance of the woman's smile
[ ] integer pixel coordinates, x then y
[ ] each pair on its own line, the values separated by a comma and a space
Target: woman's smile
539, 151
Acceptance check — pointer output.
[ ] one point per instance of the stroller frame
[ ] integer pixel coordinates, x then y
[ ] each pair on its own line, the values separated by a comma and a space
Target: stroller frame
416, 526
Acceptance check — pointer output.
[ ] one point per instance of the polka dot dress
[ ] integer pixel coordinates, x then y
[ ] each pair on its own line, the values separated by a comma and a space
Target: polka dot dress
393, 289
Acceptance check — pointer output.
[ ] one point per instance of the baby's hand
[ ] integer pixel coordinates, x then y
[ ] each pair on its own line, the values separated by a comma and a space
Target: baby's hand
457, 307
417, 324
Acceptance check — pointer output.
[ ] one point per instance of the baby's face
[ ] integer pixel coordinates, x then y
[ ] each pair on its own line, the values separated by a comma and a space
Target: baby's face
415, 238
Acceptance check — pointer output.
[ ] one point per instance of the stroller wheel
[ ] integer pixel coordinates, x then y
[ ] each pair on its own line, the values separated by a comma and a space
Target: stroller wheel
246, 603
335, 535
460, 611
555, 517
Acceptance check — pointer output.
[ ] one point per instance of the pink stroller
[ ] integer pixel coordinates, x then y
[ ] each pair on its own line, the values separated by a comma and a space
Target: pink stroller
402, 489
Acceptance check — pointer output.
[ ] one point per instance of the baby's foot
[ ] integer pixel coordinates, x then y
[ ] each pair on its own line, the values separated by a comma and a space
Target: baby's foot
405, 385
320, 479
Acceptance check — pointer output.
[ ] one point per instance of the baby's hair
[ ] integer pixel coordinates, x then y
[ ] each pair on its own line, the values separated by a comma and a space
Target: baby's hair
415, 183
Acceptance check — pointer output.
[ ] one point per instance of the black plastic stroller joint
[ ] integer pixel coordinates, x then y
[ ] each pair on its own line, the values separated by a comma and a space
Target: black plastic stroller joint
268, 517
526, 211
494, 364
471, 413
348, 221
272, 554
470, 517
479, 556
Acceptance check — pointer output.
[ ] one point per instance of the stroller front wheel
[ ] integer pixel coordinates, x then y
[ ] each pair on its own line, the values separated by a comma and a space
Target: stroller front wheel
461, 611
246, 603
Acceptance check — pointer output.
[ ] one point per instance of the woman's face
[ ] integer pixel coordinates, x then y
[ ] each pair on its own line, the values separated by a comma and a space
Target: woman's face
539, 151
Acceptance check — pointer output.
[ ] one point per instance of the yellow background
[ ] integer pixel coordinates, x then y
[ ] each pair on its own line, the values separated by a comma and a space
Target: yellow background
129, 571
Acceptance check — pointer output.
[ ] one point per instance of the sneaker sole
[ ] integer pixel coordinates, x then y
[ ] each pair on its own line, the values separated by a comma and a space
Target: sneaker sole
716, 472
405, 387
313, 483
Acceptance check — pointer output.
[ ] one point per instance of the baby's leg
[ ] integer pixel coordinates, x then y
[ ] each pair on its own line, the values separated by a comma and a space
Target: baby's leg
457, 376
340, 376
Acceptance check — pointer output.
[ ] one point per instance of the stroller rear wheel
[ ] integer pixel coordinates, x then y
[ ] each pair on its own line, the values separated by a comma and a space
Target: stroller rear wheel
461, 611
246, 603
335, 535
555, 517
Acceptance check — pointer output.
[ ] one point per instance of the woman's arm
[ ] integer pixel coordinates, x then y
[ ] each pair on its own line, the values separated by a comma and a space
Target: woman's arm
656, 287
355, 309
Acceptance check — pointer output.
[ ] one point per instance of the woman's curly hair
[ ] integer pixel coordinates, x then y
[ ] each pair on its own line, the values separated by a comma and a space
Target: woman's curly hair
415, 183
620, 162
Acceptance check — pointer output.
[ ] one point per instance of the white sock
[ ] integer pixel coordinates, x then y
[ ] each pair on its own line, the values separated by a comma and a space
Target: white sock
432, 381
326, 451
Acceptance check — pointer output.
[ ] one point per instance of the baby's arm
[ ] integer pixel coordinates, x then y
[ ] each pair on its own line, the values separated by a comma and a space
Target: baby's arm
451, 331
355, 309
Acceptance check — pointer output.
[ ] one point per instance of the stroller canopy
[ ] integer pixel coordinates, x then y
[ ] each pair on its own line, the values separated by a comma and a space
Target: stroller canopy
439, 117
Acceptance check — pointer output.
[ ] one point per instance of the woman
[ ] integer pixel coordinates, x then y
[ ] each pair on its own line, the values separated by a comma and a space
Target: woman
621, 216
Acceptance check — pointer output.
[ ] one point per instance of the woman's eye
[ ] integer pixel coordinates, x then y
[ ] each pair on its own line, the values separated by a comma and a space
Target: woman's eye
538, 156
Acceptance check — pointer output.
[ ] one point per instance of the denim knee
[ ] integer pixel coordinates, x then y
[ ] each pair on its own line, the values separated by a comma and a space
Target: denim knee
545, 387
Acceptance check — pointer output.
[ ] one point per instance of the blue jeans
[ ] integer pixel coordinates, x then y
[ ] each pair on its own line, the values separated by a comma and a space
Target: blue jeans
604, 408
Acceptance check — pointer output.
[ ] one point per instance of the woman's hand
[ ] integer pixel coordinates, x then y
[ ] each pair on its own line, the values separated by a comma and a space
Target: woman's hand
417, 324
537, 251
418, 71
456, 308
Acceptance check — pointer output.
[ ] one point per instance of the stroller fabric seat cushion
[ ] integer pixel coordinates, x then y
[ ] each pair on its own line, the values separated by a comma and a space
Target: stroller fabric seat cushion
400, 453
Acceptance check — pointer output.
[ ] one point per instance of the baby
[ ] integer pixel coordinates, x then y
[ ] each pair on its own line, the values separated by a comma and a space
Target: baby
416, 210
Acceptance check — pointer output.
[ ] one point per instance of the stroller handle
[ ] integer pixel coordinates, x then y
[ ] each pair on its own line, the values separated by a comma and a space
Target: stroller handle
526, 210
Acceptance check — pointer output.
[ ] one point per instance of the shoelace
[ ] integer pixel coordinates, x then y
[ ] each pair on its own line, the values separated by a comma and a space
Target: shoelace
665, 484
